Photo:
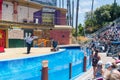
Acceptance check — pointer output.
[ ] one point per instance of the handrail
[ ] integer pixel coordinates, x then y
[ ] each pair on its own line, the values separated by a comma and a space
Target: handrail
114, 55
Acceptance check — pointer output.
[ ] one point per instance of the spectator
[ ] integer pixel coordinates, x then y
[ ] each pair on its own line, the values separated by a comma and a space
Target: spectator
111, 73
95, 59
113, 76
99, 71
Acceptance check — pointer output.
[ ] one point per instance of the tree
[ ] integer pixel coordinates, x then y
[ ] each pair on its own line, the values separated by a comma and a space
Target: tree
90, 23
81, 30
101, 17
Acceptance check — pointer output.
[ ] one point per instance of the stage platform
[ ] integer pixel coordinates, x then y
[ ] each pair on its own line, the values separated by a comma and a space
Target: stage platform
11, 53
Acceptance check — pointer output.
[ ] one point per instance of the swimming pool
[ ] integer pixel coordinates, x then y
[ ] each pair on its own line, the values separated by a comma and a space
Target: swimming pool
29, 68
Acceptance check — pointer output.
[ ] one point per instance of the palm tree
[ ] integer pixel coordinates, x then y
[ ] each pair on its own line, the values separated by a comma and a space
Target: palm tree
77, 10
92, 9
72, 13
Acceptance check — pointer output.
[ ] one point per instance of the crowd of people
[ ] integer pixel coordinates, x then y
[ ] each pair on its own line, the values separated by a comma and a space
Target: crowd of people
112, 34
107, 71
106, 36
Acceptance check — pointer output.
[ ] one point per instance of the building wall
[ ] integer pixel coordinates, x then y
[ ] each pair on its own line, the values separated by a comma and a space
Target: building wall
63, 20
23, 12
62, 36
7, 11
16, 38
59, 17
37, 17
29, 14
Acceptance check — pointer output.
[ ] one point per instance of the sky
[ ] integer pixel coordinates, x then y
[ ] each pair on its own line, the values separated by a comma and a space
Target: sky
85, 6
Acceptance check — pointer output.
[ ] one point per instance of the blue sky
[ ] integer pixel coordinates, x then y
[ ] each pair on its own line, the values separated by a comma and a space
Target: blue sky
85, 6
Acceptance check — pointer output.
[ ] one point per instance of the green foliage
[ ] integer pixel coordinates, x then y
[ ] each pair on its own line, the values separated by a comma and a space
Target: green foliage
80, 31
73, 32
101, 16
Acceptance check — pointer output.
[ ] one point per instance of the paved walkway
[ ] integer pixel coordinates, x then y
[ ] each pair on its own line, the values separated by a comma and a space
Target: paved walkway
89, 74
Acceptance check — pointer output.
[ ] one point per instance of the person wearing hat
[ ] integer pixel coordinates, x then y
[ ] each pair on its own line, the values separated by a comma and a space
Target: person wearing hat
111, 72
99, 71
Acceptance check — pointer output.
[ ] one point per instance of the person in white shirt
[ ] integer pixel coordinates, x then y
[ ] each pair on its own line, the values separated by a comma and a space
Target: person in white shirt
29, 41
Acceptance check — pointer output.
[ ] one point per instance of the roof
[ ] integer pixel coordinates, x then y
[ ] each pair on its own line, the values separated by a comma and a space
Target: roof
34, 5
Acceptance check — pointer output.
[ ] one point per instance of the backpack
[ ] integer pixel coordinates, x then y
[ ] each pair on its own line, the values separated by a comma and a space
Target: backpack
95, 60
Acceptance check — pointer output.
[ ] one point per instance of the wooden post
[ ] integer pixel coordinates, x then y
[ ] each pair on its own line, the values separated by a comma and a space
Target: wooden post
44, 70
70, 70
84, 64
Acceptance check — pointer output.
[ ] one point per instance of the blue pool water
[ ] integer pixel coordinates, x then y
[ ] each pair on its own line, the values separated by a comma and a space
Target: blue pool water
30, 68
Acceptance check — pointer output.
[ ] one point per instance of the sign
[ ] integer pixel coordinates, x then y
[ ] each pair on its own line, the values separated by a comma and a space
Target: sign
48, 10
47, 18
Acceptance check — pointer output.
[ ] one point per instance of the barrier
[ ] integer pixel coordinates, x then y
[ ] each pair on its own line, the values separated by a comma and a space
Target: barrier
70, 70
84, 64
44, 70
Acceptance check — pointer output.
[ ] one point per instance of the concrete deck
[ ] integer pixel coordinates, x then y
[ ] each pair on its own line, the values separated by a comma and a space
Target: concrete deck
11, 53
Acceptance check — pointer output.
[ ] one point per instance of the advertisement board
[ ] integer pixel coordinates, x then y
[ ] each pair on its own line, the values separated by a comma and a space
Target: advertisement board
47, 18
46, 2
